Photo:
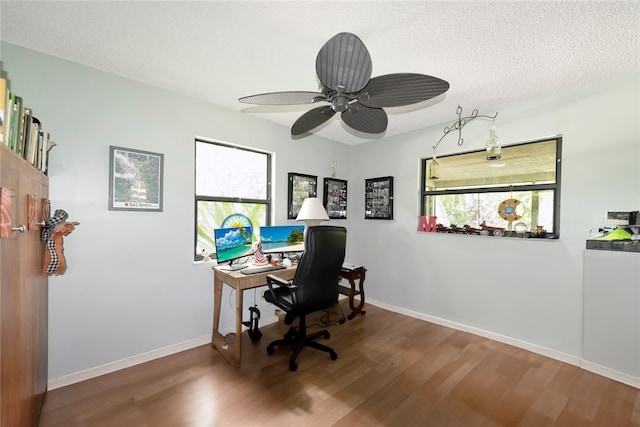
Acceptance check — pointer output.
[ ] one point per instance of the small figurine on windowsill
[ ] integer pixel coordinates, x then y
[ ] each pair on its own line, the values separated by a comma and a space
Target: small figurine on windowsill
539, 232
205, 256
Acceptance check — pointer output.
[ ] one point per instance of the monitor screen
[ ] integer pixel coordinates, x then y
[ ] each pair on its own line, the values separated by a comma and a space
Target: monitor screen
282, 238
233, 243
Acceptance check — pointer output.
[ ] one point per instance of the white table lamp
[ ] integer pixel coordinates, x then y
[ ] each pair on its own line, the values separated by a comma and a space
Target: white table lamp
312, 213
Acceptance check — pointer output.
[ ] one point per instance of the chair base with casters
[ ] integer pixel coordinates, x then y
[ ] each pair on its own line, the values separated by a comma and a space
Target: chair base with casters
298, 337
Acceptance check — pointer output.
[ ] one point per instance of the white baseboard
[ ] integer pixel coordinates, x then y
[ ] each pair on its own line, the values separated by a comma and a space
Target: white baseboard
611, 373
65, 380
534, 348
76, 377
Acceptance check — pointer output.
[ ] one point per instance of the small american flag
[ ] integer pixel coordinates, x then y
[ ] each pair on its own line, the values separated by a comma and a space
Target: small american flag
259, 256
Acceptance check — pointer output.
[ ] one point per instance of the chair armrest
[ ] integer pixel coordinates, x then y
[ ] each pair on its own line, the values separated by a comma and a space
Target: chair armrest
278, 281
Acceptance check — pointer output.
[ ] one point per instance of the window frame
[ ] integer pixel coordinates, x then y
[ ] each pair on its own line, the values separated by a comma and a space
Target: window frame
556, 186
205, 198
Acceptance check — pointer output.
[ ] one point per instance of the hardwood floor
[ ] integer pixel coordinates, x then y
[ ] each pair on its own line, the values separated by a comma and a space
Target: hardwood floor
392, 370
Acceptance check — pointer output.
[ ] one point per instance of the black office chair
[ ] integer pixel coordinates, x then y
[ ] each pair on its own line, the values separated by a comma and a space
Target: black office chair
313, 288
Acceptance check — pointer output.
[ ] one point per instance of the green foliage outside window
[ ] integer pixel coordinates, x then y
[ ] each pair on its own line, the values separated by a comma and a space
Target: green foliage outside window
211, 215
476, 209
232, 185
469, 190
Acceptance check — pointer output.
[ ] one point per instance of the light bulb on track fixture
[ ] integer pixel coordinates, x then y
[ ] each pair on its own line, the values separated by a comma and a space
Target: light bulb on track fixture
434, 168
494, 149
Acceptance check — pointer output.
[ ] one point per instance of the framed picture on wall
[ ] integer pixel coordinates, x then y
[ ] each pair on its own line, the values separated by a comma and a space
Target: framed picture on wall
378, 199
135, 180
335, 198
300, 187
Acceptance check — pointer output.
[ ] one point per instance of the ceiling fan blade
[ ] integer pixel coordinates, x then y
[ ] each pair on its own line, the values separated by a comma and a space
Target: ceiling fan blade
364, 119
311, 119
395, 90
344, 62
284, 98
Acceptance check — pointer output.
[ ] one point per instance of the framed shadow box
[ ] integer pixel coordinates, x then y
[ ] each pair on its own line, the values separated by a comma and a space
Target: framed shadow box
378, 198
335, 198
300, 187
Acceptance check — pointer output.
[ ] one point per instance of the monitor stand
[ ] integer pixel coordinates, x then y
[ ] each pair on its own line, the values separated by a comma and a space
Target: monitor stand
233, 267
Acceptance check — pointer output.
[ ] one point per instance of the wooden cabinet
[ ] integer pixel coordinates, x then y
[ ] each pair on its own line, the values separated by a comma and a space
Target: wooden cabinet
23, 296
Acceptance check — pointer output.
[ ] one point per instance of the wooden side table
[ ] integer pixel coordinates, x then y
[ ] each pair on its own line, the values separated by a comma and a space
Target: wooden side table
352, 275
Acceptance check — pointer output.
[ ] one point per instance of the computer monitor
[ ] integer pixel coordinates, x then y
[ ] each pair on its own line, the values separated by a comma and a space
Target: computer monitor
282, 238
233, 243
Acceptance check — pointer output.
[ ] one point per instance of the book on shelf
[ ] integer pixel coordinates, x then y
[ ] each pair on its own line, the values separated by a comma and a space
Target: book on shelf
3, 106
19, 121
47, 145
32, 144
25, 130
14, 133
30, 127
39, 151
8, 127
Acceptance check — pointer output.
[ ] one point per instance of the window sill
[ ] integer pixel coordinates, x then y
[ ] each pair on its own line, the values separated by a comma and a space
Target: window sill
506, 235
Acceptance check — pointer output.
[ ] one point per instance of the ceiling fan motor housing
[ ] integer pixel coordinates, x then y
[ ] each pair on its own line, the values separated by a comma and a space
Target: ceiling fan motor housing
340, 104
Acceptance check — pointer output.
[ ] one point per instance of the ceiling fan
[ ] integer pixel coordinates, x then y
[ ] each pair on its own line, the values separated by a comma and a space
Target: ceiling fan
343, 66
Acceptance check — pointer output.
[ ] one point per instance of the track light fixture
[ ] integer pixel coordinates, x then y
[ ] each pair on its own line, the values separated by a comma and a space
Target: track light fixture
493, 147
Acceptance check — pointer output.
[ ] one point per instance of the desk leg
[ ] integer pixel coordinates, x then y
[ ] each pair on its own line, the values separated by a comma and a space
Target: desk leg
238, 346
217, 300
353, 293
217, 339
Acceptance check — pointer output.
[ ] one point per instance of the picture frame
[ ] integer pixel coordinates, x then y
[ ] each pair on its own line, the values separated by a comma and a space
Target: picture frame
335, 198
378, 201
301, 186
135, 180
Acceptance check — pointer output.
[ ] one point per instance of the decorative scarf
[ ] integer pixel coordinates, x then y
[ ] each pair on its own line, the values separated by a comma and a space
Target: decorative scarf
52, 232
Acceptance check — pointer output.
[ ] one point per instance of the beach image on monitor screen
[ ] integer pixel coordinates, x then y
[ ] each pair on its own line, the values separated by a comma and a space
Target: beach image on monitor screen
232, 243
282, 238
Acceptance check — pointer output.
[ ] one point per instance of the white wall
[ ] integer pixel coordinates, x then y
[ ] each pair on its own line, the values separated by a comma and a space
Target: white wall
132, 287
530, 290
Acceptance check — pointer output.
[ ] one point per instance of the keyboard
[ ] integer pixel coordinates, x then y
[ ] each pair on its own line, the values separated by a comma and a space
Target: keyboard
262, 269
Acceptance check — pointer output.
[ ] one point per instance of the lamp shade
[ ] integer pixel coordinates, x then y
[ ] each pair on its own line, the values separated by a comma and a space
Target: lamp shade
312, 212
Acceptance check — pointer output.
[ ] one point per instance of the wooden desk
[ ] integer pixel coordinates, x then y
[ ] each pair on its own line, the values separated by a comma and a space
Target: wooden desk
353, 275
239, 282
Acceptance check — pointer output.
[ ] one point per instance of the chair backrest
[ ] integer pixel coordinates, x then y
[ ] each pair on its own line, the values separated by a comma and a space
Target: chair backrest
318, 271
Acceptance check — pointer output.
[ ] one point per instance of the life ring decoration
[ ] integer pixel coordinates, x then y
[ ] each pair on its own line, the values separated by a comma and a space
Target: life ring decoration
511, 210
236, 220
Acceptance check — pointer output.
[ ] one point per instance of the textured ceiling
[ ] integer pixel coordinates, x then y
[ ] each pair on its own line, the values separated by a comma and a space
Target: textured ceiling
493, 53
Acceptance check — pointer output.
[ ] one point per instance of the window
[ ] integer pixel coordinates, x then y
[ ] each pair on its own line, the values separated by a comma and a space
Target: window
233, 187
473, 195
